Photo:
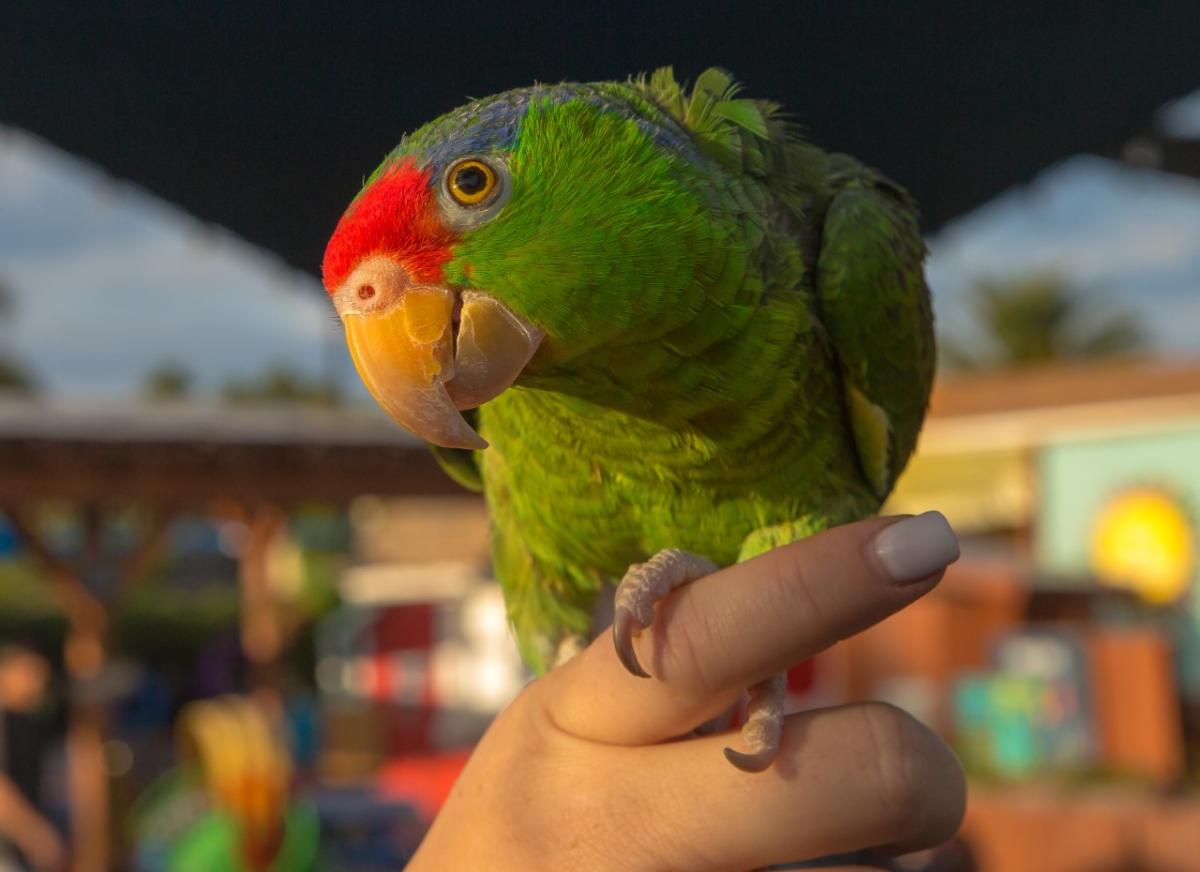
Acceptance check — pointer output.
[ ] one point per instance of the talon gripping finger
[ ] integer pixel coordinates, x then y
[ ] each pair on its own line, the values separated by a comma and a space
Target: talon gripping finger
756, 762
644, 585
764, 725
624, 623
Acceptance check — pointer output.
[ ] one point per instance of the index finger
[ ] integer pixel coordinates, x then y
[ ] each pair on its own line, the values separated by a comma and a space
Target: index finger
718, 635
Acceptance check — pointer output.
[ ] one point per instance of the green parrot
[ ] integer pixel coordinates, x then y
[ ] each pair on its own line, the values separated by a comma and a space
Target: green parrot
660, 331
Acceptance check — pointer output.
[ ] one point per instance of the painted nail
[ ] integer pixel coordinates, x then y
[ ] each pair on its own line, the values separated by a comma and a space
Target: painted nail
917, 547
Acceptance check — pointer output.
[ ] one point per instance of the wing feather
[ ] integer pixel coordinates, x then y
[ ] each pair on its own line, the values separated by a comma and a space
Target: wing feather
875, 305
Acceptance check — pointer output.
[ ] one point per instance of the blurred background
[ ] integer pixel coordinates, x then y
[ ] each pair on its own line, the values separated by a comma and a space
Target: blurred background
246, 623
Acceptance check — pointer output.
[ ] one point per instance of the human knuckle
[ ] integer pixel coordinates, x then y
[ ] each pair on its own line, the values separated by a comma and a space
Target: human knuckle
898, 760
793, 588
528, 724
695, 647
534, 759
601, 816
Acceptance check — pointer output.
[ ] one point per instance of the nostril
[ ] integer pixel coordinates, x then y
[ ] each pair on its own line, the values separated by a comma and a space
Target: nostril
366, 292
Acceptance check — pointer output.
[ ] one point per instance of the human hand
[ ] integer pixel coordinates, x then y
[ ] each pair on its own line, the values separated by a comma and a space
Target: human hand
581, 771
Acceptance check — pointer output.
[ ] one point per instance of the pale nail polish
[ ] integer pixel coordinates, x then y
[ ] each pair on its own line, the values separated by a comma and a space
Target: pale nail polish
917, 547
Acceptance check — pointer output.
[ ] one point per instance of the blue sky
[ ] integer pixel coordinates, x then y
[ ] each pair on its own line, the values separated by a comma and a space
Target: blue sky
111, 281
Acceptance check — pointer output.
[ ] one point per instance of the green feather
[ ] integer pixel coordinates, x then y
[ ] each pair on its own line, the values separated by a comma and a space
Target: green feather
722, 125
875, 304
872, 433
746, 114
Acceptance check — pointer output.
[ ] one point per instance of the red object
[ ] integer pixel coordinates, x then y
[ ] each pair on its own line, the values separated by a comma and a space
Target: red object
408, 627
800, 677
396, 216
397, 667
409, 729
402, 675
423, 780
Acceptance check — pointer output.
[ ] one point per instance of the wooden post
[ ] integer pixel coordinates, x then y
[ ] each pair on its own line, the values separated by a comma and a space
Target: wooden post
85, 657
87, 771
262, 630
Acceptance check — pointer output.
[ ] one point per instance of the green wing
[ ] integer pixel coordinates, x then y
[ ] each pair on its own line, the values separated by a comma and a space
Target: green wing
461, 464
875, 306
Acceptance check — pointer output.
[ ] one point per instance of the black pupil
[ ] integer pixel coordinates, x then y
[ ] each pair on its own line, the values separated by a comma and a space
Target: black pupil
470, 180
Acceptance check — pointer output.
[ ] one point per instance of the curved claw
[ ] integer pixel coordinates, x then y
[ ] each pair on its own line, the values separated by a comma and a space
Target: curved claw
756, 762
624, 623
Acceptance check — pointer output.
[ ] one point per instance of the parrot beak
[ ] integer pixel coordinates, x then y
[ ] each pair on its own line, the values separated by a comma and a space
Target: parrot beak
425, 352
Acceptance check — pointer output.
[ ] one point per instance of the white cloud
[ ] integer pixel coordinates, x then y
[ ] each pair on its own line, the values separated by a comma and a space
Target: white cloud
111, 281
1128, 236
1181, 118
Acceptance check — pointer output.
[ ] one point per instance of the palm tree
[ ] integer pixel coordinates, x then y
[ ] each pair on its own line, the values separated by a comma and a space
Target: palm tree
1041, 319
167, 381
281, 385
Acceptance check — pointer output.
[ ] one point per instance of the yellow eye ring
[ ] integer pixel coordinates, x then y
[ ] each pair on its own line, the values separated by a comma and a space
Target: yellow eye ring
470, 181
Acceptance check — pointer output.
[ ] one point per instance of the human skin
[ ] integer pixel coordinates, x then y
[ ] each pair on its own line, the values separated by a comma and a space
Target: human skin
584, 770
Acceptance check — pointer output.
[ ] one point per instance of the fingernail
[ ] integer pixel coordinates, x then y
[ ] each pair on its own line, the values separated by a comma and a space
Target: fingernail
917, 547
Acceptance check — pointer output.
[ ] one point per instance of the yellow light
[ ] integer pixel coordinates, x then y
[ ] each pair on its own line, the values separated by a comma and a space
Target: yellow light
1143, 541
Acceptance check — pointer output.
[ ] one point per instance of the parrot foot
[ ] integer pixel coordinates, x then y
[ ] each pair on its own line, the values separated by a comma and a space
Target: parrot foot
644, 585
764, 725
719, 724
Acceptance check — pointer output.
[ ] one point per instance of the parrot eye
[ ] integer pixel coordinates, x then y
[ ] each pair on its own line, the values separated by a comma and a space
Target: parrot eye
473, 190
470, 182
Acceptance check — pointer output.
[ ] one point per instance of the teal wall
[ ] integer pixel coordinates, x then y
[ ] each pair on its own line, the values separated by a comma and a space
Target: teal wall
1077, 477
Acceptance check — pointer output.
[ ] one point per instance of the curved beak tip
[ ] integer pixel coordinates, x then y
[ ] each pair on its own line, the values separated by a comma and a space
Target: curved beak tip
422, 374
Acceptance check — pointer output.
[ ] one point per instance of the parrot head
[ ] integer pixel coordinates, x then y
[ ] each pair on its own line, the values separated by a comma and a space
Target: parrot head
511, 240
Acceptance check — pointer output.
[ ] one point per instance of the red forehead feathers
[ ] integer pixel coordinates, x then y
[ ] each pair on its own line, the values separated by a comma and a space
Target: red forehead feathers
396, 216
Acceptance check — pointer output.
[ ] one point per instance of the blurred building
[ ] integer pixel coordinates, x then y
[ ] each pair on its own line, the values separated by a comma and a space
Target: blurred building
418, 657
1080, 482
1061, 651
